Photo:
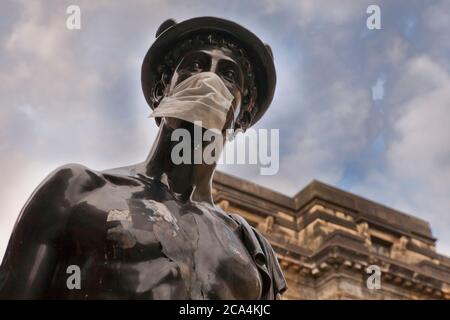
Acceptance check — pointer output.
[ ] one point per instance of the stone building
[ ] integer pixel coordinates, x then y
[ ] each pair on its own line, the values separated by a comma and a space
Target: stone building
326, 238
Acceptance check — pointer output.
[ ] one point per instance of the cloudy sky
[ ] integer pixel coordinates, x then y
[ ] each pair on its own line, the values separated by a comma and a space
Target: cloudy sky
364, 110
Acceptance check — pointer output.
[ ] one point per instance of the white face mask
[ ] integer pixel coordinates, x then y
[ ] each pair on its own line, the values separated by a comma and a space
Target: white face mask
201, 97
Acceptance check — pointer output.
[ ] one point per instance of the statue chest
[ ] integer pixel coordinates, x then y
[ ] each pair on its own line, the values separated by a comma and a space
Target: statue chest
164, 250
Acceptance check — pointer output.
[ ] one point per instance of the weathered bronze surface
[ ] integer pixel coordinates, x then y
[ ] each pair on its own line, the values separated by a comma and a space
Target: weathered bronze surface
145, 231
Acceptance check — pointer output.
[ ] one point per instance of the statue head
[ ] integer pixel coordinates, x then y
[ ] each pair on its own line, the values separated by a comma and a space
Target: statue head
207, 44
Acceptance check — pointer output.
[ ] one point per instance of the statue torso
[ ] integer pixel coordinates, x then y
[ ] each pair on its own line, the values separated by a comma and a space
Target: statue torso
132, 238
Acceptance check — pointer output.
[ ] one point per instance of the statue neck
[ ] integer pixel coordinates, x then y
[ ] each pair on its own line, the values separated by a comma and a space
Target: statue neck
189, 182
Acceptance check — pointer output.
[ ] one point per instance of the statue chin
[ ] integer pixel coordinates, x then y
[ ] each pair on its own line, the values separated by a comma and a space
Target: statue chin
174, 123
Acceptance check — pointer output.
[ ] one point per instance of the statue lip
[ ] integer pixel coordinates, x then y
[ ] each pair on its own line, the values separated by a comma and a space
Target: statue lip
170, 33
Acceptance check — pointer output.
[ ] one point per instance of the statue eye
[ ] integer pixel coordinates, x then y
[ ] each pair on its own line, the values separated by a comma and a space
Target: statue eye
229, 75
195, 65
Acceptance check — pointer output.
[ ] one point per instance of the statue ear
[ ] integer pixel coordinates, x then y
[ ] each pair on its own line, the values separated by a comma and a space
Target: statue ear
158, 92
243, 121
164, 26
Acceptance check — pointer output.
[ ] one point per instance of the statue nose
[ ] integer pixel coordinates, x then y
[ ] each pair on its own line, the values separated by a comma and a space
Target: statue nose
214, 65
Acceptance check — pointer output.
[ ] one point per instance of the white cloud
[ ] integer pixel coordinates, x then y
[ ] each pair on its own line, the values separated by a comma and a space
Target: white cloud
416, 175
326, 138
305, 13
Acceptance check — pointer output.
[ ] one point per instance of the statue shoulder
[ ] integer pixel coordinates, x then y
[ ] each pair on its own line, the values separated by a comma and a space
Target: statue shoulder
56, 194
38, 231
68, 183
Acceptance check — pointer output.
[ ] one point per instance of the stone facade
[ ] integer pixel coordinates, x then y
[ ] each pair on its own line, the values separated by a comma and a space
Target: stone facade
326, 238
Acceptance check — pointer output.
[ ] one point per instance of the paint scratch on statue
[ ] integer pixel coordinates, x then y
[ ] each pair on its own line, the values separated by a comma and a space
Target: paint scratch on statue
118, 215
161, 212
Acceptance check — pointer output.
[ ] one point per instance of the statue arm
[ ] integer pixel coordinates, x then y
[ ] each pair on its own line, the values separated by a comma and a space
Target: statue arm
265, 258
30, 259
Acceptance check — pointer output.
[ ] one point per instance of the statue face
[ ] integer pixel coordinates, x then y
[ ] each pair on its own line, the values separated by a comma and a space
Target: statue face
220, 61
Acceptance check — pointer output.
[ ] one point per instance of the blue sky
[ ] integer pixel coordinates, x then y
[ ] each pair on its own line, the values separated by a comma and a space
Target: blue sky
364, 110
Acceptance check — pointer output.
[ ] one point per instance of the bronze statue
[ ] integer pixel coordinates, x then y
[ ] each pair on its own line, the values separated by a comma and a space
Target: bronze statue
151, 230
